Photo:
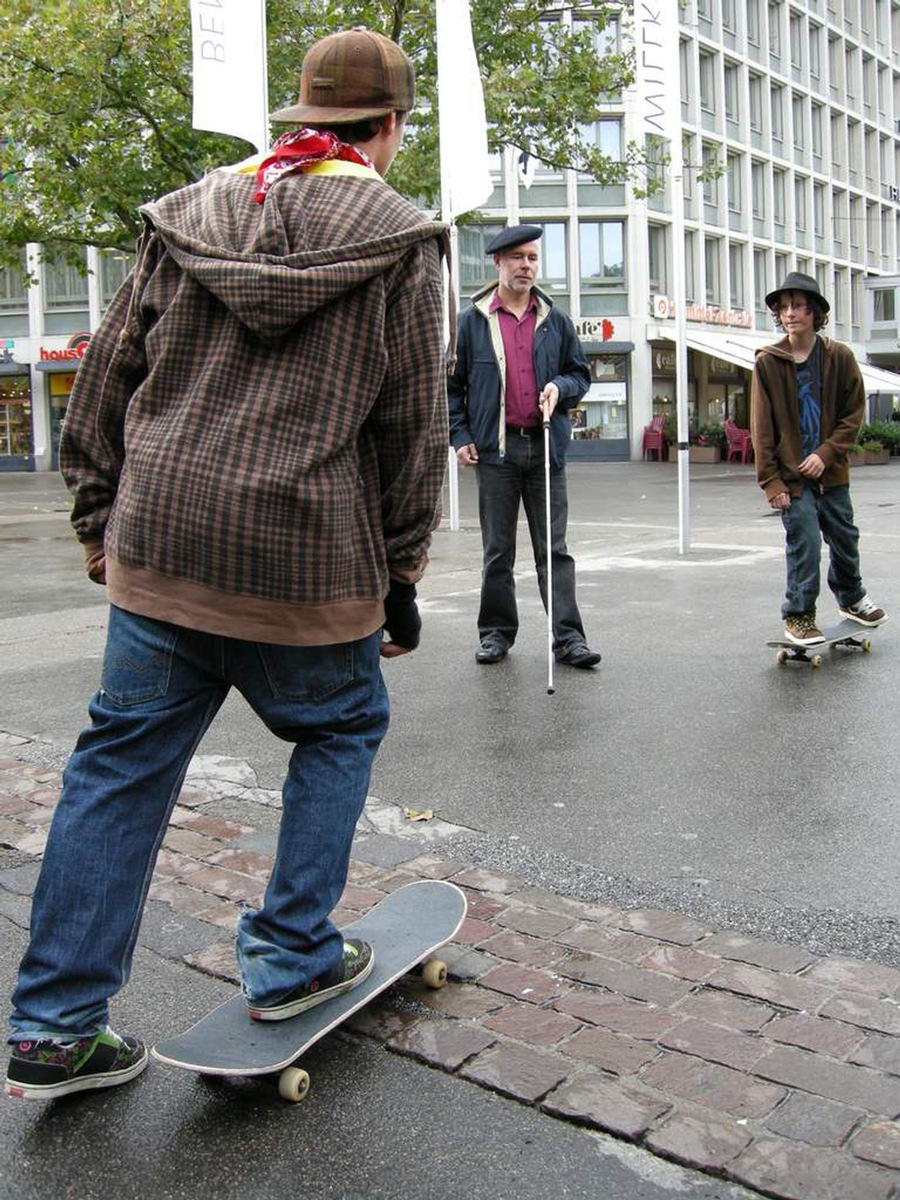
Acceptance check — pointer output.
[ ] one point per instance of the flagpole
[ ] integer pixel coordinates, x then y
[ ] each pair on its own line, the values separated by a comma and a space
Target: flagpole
262, 144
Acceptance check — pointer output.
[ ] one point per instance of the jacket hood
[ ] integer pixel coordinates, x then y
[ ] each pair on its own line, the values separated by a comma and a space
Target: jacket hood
270, 264
782, 349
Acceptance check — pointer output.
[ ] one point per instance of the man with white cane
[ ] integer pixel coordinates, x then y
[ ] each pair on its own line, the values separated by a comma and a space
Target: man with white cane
518, 356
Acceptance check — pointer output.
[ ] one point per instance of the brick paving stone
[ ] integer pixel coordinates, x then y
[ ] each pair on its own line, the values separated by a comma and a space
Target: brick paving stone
174, 865
460, 1001
482, 907
702, 1142
520, 948
681, 961
721, 1008
33, 843
486, 881
664, 926
716, 1087
473, 932
46, 797
517, 1071
11, 831
217, 959
362, 874
794, 1172
223, 913
35, 817
393, 880
11, 804
714, 1044
833, 1038
583, 910
467, 965
534, 922
613, 1105
757, 952
537, 987
642, 1021
879, 1142
624, 978
179, 896
528, 1023
850, 975
380, 1020
230, 885
212, 826
880, 1052
610, 943
360, 899
787, 991
882, 1016
813, 1120
610, 1051
432, 866
187, 841
248, 862
446, 1044
822, 1076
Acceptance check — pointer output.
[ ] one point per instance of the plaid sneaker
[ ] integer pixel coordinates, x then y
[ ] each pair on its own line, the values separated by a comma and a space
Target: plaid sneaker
865, 612
52, 1067
356, 964
801, 629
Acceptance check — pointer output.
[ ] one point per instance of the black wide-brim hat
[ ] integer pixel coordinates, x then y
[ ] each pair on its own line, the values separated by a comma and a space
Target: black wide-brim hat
796, 281
512, 236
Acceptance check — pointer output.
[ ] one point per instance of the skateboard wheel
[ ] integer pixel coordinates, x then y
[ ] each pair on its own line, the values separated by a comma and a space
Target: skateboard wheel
816, 660
781, 657
293, 1084
434, 973
866, 644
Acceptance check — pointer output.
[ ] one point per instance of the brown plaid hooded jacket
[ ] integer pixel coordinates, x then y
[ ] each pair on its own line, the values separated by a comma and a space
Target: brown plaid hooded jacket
257, 435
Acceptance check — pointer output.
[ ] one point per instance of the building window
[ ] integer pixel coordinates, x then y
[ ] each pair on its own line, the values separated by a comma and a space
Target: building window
656, 256
756, 104
758, 184
797, 32
476, 266
818, 135
753, 22
778, 115
707, 83
798, 122
736, 275
711, 250
710, 175
733, 171
13, 296
602, 253
732, 90
774, 31
690, 267
778, 199
554, 270
65, 285
760, 280
819, 210
115, 266
800, 216
815, 51
884, 305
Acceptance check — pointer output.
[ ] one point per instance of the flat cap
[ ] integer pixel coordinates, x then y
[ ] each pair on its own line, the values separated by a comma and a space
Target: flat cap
514, 235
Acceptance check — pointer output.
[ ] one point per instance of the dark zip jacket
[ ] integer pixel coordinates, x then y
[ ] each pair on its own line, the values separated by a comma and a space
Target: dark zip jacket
476, 390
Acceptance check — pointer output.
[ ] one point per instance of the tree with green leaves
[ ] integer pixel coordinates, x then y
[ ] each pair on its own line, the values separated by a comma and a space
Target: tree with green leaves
96, 100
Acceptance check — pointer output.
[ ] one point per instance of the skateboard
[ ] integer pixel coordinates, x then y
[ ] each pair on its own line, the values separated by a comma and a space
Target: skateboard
848, 633
404, 930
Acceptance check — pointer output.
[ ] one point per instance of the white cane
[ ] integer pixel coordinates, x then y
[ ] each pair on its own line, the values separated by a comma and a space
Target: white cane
545, 408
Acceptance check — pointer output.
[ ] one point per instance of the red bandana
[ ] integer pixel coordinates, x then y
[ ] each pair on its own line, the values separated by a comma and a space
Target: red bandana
293, 151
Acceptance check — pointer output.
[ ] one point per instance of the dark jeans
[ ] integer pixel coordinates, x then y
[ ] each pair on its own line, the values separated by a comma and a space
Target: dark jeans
501, 487
812, 516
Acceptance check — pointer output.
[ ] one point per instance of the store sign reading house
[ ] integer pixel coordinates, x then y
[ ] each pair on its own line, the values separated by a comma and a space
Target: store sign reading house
74, 349
707, 314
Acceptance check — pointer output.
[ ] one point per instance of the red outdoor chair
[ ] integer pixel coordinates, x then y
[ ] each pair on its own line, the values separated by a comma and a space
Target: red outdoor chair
740, 446
654, 439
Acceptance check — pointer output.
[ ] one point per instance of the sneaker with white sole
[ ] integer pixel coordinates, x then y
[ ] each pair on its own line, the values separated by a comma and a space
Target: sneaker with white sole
357, 962
47, 1068
864, 612
801, 629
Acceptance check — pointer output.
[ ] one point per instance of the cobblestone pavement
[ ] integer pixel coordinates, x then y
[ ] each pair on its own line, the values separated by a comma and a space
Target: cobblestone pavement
751, 1060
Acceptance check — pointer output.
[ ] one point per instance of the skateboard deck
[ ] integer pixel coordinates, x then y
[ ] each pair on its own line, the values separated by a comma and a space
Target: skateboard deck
404, 929
848, 633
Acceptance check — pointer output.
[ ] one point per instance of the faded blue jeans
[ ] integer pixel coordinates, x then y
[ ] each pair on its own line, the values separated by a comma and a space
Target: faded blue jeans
161, 687
812, 516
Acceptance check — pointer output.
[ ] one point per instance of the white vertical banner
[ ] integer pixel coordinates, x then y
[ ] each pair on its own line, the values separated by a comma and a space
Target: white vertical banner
658, 80
228, 38
465, 167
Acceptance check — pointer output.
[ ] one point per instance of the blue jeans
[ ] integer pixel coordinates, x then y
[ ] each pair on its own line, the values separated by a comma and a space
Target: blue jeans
501, 488
161, 687
812, 516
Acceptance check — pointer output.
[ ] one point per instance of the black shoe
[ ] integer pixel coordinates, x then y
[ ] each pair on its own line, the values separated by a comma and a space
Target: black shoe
48, 1068
491, 651
579, 656
353, 968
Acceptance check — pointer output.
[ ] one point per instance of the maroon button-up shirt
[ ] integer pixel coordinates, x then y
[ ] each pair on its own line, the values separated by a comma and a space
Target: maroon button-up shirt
518, 344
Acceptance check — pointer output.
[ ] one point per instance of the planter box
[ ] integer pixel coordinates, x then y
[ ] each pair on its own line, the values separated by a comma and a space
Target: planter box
876, 458
704, 454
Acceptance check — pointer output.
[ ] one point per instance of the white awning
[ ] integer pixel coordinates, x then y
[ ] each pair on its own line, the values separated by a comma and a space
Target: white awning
740, 347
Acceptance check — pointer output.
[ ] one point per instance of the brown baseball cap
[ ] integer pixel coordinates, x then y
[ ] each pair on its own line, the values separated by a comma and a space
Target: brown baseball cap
352, 76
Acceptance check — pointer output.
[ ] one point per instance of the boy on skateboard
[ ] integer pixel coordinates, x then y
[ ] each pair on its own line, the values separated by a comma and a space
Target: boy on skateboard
256, 444
807, 403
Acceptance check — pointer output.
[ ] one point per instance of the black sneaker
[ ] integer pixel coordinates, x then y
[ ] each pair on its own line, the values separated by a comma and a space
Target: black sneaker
356, 964
52, 1067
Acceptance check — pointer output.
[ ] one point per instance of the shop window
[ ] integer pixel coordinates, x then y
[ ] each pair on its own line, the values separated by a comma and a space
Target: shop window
603, 412
16, 439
